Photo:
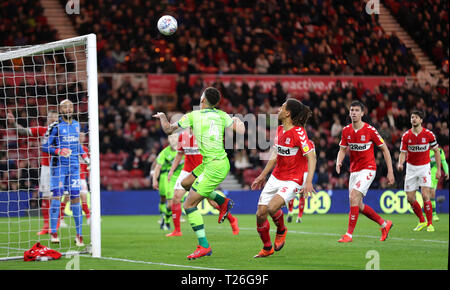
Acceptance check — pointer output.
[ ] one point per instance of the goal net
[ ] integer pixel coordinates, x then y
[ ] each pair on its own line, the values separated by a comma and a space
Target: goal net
34, 80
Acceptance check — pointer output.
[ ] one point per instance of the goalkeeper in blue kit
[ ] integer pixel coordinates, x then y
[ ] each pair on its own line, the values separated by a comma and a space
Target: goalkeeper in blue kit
62, 142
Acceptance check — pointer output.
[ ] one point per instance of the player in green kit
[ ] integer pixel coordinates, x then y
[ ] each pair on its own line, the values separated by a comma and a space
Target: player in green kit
208, 125
434, 180
161, 181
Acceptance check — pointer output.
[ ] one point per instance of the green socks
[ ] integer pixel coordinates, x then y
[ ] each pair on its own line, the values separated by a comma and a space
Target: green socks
217, 197
196, 220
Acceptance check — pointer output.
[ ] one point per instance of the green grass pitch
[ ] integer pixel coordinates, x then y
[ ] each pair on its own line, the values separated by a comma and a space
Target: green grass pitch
137, 243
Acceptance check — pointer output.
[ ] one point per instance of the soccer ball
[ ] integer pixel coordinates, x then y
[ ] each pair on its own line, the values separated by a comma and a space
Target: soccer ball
167, 25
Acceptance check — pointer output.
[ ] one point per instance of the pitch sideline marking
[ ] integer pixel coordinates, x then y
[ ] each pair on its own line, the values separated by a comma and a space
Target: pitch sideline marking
150, 263
361, 236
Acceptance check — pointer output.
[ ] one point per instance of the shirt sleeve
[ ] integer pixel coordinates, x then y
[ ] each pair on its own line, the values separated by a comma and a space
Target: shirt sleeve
432, 140
186, 121
376, 137
403, 144
228, 121
343, 142
161, 158
180, 142
303, 142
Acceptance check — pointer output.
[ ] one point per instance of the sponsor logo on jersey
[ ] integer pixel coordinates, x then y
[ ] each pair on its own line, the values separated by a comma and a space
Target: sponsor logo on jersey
191, 150
69, 138
286, 151
418, 148
359, 146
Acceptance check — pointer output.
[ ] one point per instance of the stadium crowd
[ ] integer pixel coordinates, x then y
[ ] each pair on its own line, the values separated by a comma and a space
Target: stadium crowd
241, 37
127, 123
427, 22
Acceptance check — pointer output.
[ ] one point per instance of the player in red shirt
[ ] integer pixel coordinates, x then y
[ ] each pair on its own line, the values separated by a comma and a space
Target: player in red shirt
187, 145
44, 178
294, 159
415, 147
359, 138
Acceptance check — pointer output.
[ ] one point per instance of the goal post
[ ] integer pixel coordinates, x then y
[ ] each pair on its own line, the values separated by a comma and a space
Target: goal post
33, 80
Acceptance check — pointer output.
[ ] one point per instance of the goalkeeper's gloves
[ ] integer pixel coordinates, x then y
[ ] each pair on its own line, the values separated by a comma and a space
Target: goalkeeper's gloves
64, 152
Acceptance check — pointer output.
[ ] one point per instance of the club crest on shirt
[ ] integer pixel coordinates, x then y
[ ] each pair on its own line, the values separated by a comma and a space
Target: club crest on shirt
363, 137
288, 140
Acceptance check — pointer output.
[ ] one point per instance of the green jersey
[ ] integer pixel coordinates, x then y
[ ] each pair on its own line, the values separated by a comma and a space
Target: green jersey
165, 159
443, 161
208, 126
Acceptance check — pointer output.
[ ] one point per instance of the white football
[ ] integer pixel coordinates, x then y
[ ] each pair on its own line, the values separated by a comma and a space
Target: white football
167, 25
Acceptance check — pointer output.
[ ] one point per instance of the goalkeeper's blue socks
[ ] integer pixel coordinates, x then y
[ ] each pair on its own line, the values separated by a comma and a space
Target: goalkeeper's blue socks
77, 216
54, 215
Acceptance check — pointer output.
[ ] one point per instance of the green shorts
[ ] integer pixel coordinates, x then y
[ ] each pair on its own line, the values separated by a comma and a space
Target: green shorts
210, 176
434, 180
166, 188
198, 170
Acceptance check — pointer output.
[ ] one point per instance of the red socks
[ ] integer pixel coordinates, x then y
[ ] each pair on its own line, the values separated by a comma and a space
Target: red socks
263, 231
62, 208
428, 211
418, 211
370, 213
86, 209
278, 219
291, 205
301, 205
352, 219
45, 205
176, 215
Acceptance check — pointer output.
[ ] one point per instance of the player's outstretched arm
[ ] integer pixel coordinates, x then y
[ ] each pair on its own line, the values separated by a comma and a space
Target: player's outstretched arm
259, 181
156, 176
401, 160
340, 158
388, 159
12, 122
166, 126
308, 188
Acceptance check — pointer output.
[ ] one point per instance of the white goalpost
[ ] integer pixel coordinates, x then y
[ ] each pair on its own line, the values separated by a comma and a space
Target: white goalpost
33, 81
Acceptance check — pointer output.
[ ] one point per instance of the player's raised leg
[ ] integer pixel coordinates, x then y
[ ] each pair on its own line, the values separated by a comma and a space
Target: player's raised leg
232, 219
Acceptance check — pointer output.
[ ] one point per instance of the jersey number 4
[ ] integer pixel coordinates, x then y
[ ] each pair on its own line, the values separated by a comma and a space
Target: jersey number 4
214, 130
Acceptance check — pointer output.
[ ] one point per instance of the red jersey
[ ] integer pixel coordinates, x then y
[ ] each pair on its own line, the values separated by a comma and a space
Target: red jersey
418, 146
361, 143
39, 132
292, 146
188, 145
84, 173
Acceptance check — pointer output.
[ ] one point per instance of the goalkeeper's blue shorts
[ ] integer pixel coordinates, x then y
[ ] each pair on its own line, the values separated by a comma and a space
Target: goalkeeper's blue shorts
65, 180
